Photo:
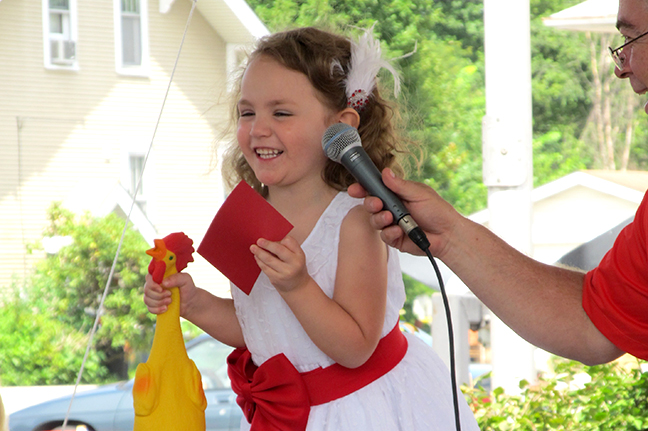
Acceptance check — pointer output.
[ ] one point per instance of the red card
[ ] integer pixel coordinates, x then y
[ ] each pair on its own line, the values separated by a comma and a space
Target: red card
243, 218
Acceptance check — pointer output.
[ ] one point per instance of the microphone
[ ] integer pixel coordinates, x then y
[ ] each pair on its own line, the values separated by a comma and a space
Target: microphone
342, 144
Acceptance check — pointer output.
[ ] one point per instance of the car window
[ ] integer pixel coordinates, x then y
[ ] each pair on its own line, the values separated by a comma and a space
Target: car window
210, 356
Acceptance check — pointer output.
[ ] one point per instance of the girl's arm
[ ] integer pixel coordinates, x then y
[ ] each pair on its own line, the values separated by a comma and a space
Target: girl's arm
216, 316
347, 327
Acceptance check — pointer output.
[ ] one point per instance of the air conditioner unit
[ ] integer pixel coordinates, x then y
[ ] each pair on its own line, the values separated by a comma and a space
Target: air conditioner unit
62, 51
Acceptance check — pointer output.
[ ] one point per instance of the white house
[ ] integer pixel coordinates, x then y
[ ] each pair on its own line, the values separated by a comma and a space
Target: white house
579, 207
590, 15
81, 88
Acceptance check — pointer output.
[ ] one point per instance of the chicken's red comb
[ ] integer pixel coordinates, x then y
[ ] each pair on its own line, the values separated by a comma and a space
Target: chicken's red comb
182, 246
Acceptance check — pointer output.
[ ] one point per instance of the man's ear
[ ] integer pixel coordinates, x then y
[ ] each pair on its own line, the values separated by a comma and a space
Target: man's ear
349, 116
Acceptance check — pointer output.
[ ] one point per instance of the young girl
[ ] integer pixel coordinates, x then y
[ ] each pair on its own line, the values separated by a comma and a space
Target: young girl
322, 319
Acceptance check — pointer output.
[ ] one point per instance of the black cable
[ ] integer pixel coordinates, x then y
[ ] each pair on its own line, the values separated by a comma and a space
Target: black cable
453, 372
420, 239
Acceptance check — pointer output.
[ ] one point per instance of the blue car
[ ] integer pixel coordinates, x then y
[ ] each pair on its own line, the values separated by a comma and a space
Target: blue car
110, 407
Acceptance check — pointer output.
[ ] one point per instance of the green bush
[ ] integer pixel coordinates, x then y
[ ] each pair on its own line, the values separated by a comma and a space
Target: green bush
615, 399
44, 328
69, 284
41, 350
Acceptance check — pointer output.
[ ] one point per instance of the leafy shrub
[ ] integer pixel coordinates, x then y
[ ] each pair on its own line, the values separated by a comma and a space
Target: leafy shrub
41, 350
44, 328
69, 284
614, 399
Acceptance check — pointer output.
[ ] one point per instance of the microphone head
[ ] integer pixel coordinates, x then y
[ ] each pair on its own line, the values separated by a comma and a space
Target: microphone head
337, 138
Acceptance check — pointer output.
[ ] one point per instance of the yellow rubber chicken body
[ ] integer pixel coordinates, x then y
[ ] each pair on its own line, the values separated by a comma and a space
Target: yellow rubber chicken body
168, 393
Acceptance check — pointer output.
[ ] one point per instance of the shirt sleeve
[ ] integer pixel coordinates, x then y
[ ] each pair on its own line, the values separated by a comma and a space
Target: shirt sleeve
615, 294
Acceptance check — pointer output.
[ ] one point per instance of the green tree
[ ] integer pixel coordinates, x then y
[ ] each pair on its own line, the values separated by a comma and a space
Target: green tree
69, 285
553, 157
446, 105
462, 21
560, 73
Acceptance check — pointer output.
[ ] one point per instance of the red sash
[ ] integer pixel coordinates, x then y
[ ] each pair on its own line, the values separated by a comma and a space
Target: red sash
275, 396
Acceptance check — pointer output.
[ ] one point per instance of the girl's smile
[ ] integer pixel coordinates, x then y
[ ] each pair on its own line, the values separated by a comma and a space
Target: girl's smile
267, 153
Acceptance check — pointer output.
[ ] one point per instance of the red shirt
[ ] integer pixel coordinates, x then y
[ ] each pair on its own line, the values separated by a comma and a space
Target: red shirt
615, 294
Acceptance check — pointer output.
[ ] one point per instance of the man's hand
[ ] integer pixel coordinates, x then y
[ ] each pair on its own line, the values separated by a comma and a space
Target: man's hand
434, 215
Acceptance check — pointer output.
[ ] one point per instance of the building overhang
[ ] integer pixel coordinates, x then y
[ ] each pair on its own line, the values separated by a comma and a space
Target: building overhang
233, 20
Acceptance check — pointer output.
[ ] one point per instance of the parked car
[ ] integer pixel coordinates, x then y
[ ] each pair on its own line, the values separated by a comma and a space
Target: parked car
110, 407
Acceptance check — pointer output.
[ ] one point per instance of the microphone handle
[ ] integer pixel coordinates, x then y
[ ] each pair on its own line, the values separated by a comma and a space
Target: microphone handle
365, 172
357, 161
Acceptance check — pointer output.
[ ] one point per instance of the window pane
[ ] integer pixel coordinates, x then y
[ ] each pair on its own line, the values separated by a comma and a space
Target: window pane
59, 4
136, 168
56, 23
60, 23
55, 47
130, 6
69, 49
131, 41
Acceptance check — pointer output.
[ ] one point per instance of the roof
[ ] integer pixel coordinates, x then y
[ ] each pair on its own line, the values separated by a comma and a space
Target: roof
628, 185
591, 15
233, 20
589, 254
103, 196
636, 180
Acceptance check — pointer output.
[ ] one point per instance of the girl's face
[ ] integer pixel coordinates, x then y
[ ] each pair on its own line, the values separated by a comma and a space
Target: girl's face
281, 125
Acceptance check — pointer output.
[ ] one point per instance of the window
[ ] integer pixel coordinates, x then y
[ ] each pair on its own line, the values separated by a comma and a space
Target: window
131, 33
131, 37
60, 33
136, 167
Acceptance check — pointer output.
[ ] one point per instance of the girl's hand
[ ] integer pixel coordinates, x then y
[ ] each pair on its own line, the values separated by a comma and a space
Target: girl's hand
158, 297
283, 262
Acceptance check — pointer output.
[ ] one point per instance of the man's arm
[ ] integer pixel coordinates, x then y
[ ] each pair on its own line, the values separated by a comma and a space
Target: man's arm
542, 303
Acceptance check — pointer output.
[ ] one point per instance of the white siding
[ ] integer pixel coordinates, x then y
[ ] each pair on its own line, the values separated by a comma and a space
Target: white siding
65, 135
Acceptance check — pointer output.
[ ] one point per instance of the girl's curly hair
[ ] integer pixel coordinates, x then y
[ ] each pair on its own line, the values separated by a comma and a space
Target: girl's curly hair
314, 53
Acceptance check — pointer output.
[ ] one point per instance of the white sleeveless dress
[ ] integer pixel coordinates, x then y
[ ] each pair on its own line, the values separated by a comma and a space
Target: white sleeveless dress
415, 395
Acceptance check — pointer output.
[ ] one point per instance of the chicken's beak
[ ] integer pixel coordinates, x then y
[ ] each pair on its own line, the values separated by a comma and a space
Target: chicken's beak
160, 250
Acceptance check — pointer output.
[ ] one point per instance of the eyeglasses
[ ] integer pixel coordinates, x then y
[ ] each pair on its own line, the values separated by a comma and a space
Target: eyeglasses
618, 61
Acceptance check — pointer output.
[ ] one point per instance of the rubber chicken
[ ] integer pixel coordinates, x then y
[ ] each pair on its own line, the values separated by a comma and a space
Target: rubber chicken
168, 393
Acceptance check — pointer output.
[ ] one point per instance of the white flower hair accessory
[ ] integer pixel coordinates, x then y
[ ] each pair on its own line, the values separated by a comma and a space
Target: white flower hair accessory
366, 61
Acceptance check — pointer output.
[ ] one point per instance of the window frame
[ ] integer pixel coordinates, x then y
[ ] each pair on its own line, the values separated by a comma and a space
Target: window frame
73, 63
142, 69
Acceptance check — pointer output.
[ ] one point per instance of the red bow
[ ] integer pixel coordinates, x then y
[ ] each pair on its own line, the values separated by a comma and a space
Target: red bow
272, 396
